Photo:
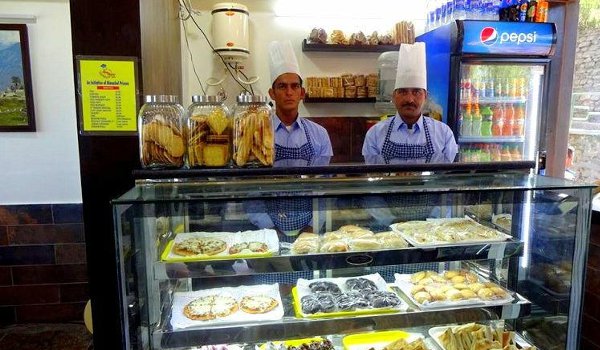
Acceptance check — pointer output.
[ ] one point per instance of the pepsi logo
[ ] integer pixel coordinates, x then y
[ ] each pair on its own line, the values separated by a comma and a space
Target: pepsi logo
488, 36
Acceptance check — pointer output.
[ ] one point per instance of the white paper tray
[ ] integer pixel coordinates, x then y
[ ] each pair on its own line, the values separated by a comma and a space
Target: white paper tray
181, 299
266, 236
403, 282
437, 243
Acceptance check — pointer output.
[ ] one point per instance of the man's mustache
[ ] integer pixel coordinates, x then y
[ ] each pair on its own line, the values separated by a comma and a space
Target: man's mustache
408, 104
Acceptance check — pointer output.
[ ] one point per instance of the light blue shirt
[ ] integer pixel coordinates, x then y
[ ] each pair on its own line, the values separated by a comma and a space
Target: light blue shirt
293, 136
444, 145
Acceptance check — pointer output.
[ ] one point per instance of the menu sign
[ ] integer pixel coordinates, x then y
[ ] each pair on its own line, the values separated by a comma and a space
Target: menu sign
107, 94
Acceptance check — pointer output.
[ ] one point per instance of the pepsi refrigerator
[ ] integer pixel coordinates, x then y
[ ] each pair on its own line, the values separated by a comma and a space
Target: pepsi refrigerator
488, 80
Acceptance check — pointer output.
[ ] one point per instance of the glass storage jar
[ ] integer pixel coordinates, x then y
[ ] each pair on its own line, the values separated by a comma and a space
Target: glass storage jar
160, 125
253, 140
209, 132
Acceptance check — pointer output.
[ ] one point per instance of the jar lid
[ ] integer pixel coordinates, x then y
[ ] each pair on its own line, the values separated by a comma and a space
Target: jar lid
247, 98
207, 98
161, 98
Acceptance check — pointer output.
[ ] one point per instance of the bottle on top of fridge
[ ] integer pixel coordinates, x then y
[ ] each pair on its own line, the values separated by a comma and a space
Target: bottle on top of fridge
497, 120
449, 11
531, 10
460, 12
509, 114
430, 9
519, 121
541, 15
486, 121
505, 154
523, 11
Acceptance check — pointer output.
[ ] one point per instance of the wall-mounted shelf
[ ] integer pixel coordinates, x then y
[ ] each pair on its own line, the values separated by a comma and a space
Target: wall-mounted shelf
338, 100
306, 46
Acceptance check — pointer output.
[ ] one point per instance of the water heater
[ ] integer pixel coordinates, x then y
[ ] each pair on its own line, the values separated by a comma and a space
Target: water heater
230, 31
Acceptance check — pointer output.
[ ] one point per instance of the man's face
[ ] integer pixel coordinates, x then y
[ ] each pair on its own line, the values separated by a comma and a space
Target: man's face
409, 103
287, 92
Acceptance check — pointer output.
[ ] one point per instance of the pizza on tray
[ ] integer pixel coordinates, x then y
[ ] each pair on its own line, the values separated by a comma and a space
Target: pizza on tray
198, 246
258, 304
253, 247
210, 307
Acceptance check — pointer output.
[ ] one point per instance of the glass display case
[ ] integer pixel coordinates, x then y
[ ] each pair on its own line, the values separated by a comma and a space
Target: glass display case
213, 261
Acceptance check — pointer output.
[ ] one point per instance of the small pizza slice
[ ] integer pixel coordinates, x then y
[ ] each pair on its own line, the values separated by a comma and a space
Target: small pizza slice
224, 306
258, 304
238, 248
200, 309
190, 246
213, 246
258, 247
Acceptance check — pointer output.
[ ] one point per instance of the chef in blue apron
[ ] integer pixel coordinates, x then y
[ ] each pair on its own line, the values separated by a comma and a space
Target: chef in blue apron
408, 137
298, 142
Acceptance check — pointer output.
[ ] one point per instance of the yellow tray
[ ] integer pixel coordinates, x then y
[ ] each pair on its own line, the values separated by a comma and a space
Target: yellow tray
385, 338
298, 310
190, 258
292, 342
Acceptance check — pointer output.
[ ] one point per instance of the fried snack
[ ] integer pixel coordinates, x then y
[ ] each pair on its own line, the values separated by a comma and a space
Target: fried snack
402, 344
373, 39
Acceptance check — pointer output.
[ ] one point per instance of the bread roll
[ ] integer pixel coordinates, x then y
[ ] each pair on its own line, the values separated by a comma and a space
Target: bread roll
364, 244
305, 246
468, 294
476, 286
485, 293
334, 246
332, 236
417, 276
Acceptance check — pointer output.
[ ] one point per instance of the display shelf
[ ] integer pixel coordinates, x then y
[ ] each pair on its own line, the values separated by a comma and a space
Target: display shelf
490, 139
306, 47
552, 303
338, 100
291, 327
487, 101
310, 262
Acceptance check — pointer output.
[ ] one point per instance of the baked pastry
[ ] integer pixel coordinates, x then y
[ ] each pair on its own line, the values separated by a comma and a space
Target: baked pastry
210, 307
359, 244
326, 302
334, 246
381, 299
258, 304
310, 304
324, 287
305, 243
360, 284
317, 36
422, 297
391, 239
333, 236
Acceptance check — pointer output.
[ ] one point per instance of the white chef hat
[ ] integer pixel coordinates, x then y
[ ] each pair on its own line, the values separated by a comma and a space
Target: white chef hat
412, 69
282, 59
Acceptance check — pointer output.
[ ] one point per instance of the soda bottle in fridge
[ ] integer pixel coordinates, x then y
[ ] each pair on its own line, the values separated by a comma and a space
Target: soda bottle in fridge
519, 121
505, 155
486, 121
476, 122
515, 153
497, 120
509, 115
498, 87
496, 153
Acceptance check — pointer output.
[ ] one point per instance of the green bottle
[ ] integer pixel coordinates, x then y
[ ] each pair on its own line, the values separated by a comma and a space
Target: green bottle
486, 121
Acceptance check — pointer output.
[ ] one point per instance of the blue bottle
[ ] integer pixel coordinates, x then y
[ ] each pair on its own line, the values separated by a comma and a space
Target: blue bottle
459, 9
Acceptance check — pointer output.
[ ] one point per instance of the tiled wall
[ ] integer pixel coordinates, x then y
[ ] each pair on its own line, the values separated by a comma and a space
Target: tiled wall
43, 271
590, 337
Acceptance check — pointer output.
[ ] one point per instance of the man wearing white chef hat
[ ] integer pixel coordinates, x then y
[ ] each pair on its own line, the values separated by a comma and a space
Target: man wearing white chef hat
409, 137
298, 142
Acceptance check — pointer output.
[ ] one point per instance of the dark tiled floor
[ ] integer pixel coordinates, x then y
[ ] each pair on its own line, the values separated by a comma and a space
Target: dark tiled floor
46, 337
